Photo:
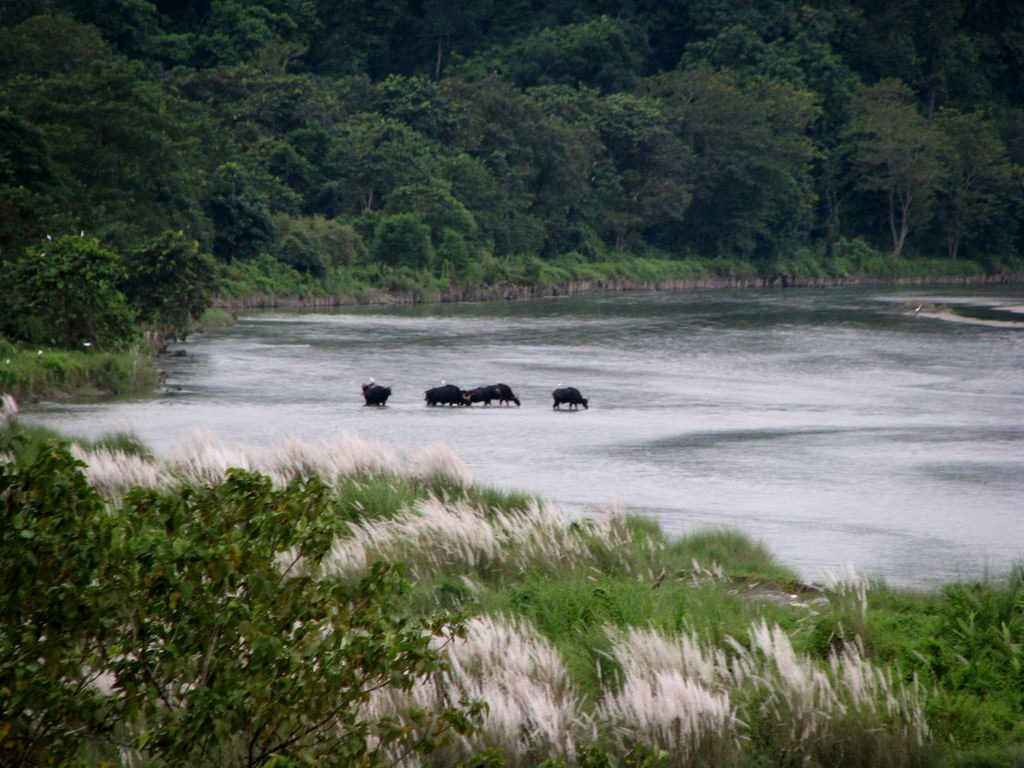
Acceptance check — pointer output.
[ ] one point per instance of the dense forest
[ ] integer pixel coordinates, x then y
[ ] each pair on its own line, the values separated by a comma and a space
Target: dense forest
180, 149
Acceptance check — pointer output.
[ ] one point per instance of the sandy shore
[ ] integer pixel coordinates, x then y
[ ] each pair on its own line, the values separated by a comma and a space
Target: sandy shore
943, 312
952, 317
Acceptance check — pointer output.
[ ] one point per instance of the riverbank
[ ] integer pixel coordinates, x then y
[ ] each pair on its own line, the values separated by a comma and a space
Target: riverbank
29, 374
512, 292
594, 642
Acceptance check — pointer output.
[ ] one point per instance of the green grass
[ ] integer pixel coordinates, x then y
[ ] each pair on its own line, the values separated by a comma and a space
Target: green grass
216, 318
597, 581
29, 373
23, 442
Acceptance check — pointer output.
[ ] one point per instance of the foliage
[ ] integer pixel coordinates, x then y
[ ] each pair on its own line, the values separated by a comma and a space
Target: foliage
170, 282
239, 215
897, 153
190, 632
188, 627
402, 239
66, 292
742, 141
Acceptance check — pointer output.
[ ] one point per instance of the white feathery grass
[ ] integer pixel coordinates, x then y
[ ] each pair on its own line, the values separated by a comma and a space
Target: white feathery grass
799, 693
202, 459
671, 698
112, 472
845, 585
8, 410
645, 651
870, 689
441, 533
532, 709
699, 573
437, 535
332, 460
440, 462
688, 698
807, 700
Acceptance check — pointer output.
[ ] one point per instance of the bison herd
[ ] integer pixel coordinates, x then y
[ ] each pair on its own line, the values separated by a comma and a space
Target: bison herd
449, 394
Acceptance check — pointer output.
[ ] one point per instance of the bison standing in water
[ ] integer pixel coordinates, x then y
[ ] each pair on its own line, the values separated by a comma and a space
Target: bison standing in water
501, 392
569, 395
375, 394
447, 394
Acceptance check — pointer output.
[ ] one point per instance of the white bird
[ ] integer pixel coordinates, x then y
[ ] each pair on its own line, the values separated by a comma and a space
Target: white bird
49, 238
82, 233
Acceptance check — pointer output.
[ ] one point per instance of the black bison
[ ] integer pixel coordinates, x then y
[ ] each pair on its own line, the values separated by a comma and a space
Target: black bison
501, 392
447, 394
569, 395
478, 395
375, 394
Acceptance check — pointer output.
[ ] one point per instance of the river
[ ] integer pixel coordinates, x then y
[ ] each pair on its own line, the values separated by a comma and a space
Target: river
829, 424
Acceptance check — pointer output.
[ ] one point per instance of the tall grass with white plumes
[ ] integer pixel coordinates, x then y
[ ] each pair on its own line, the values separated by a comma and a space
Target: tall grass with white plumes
442, 536
673, 698
696, 702
439, 462
845, 621
810, 712
702, 705
532, 712
8, 410
112, 472
202, 459
847, 590
685, 700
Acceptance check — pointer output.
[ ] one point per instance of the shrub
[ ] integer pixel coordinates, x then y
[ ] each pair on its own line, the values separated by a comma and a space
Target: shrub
177, 627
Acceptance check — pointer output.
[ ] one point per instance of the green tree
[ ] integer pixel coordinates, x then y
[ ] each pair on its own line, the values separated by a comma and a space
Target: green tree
170, 282
121, 145
402, 239
315, 245
896, 153
54, 617
66, 292
133, 27
752, 156
369, 157
234, 31
601, 53
537, 160
239, 213
50, 44
436, 206
194, 627
977, 186
31, 188
652, 181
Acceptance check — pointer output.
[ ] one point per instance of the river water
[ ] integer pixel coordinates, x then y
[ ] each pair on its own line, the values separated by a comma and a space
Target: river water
828, 424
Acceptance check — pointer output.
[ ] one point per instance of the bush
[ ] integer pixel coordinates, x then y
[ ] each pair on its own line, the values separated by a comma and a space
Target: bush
191, 627
65, 293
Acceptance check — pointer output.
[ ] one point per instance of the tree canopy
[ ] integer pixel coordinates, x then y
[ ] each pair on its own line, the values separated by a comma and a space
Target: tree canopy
518, 130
